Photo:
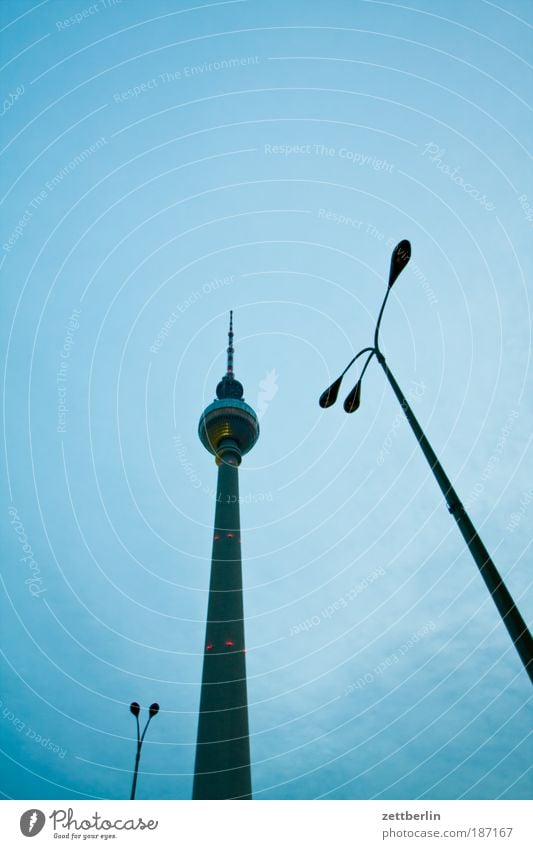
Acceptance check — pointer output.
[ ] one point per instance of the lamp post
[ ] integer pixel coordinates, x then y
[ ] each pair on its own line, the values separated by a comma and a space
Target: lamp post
136, 709
517, 628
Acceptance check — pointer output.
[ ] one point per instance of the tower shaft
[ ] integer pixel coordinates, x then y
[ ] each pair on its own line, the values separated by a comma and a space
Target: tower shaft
222, 768
228, 429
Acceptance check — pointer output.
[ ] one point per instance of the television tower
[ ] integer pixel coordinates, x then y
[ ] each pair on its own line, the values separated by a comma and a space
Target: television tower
228, 429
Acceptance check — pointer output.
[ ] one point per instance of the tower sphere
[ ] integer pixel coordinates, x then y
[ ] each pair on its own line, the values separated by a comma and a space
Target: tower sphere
228, 419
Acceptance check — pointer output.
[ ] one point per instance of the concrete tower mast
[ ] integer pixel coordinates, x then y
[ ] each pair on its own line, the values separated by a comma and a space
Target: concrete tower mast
228, 429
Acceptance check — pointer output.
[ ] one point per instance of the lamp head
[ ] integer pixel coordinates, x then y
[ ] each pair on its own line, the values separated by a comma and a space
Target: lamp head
353, 400
329, 396
135, 708
399, 259
154, 709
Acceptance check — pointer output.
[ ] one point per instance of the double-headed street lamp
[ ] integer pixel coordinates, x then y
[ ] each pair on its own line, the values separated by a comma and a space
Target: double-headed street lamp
502, 598
136, 709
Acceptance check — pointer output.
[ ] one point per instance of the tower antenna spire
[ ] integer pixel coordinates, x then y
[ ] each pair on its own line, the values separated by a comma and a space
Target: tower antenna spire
229, 387
231, 349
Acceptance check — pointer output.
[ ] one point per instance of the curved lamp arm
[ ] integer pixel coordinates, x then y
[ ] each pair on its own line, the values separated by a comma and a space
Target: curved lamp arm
378, 323
399, 259
329, 396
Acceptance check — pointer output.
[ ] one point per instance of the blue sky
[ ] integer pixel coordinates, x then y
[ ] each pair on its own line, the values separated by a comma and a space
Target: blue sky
163, 164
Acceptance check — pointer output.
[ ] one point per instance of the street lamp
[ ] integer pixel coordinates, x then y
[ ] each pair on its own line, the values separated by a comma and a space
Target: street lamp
501, 596
136, 709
